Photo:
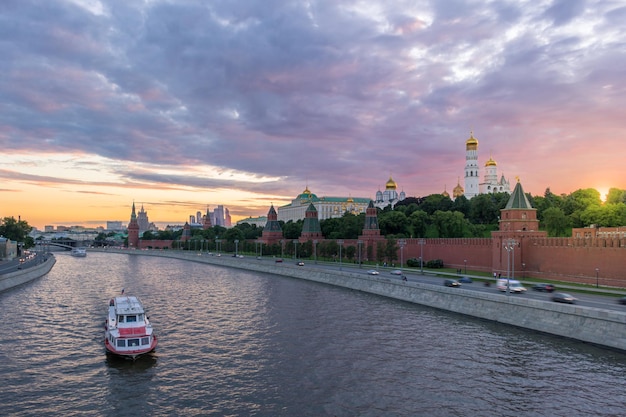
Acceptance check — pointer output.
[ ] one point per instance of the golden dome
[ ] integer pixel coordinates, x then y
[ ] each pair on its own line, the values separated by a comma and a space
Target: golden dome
445, 193
490, 163
458, 190
472, 143
391, 184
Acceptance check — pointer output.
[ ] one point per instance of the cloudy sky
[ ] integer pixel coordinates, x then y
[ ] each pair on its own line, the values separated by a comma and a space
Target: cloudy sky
180, 104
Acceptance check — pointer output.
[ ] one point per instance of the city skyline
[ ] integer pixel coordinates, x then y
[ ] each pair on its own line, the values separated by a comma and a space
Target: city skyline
182, 105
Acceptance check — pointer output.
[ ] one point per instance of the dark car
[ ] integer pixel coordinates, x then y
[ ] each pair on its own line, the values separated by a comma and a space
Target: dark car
543, 287
451, 283
465, 280
622, 300
561, 297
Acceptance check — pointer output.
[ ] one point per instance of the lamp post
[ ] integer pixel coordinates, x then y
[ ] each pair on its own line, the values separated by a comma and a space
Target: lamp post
236, 246
295, 248
465, 262
315, 251
509, 246
359, 243
340, 242
401, 243
217, 246
523, 270
421, 243
282, 248
597, 279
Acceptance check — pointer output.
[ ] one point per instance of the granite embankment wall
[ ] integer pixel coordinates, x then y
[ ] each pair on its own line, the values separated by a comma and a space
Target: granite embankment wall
25, 275
587, 324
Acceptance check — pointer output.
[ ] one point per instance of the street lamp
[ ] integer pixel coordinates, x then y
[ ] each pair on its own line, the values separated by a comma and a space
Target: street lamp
523, 270
295, 248
340, 242
282, 248
509, 245
597, 279
465, 262
315, 250
421, 243
236, 246
401, 243
359, 243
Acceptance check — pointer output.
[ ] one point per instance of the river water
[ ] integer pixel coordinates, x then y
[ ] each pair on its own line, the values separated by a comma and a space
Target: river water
238, 343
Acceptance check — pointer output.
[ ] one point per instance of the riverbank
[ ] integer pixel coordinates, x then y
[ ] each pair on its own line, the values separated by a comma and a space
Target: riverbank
587, 324
22, 276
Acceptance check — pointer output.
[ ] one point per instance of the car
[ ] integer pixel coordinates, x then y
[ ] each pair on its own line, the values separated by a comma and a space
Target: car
451, 283
396, 272
622, 300
465, 280
278, 260
543, 287
372, 272
561, 297
300, 263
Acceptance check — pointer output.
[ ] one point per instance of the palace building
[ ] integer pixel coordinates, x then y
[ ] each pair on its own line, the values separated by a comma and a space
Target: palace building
327, 207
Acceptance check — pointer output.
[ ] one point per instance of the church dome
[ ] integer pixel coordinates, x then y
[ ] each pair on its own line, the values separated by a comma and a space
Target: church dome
472, 143
307, 195
458, 191
391, 184
490, 163
445, 193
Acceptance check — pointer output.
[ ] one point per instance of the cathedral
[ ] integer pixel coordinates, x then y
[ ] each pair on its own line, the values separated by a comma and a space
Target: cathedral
490, 183
390, 196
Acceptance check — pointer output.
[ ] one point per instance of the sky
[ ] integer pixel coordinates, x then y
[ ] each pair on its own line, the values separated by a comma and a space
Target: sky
180, 105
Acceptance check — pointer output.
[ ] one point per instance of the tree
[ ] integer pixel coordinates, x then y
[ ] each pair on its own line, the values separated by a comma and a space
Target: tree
556, 222
418, 223
394, 223
616, 195
17, 231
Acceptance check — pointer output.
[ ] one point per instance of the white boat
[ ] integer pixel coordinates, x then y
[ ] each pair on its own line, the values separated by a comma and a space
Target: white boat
128, 331
79, 252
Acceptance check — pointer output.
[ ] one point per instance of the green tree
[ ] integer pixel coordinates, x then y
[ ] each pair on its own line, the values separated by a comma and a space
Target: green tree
394, 223
17, 230
484, 210
556, 222
450, 224
615, 196
418, 223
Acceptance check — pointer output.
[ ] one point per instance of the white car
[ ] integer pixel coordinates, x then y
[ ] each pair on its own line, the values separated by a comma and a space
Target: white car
396, 272
372, 272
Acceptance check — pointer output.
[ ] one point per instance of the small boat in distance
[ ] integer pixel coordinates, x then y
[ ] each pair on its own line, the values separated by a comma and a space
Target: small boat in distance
127, 330
79, 252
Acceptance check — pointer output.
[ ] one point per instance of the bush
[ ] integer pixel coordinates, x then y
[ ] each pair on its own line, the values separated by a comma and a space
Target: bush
435, 263
413, 262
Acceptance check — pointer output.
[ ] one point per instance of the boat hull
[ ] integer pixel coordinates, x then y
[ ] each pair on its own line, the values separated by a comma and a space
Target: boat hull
130, 354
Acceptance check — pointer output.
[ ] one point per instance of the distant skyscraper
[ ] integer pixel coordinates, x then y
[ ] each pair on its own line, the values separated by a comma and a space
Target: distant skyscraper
227, 220
142, 221
218, 214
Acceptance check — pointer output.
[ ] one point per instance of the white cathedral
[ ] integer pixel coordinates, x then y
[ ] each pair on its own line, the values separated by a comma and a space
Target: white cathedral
490, 183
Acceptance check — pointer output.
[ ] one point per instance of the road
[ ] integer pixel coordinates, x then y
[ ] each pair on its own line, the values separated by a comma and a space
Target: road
608, 302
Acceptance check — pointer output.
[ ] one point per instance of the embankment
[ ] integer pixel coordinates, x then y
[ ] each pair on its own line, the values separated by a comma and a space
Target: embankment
592, 325
13, 279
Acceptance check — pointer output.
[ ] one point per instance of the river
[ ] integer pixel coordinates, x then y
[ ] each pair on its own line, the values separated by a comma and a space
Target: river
238, 343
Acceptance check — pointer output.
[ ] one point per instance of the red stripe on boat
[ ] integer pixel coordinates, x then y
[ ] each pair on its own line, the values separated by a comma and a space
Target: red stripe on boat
132, 331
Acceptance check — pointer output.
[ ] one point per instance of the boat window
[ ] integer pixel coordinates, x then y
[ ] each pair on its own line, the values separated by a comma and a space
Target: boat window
145, 340
131, 319
121, 343
120, 319
133, 342
141, 317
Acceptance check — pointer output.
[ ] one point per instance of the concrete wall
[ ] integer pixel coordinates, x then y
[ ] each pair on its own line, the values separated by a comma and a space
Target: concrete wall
23, 276
587, 324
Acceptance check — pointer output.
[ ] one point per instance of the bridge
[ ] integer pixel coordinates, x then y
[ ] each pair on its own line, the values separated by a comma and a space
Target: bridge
67, 244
